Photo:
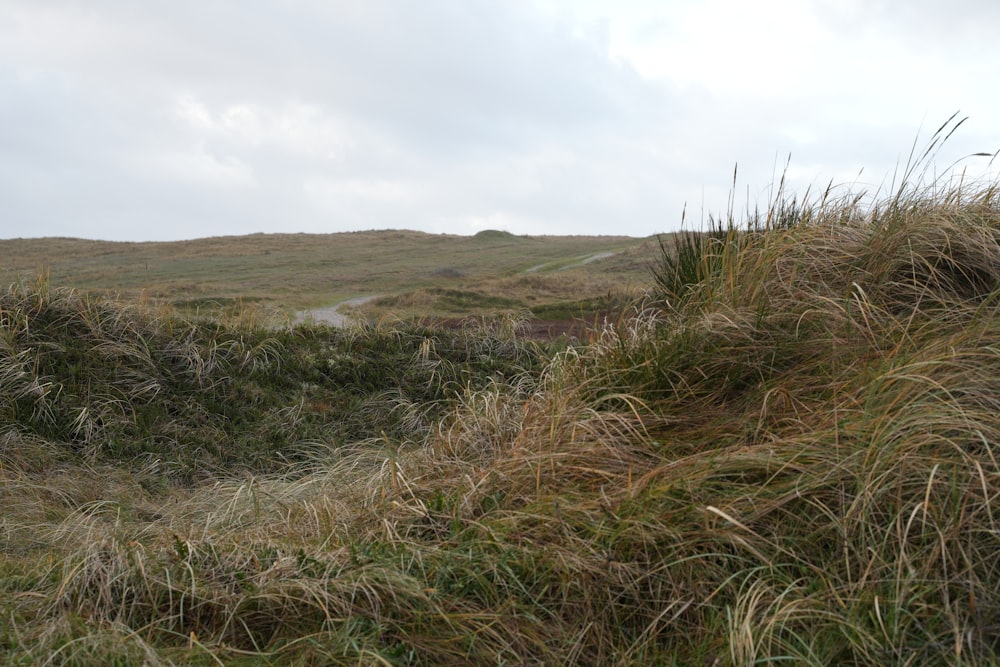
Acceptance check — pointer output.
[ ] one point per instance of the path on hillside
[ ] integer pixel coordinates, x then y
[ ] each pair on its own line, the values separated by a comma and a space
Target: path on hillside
580, 262
331, 314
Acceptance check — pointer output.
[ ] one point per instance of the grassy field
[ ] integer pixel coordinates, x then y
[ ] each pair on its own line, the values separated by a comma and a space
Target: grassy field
782, 452
278, 274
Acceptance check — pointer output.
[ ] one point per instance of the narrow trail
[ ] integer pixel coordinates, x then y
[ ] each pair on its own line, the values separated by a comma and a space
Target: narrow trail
331, 314
580, 262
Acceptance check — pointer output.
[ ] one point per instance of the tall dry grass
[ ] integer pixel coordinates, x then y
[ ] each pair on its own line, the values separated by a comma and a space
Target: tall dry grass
791, 459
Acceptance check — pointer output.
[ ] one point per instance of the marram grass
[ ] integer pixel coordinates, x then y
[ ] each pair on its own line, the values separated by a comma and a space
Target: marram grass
791, 459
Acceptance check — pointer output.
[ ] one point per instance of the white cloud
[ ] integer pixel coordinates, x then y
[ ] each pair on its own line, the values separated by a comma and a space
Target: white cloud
190, 110
293, 128
343, 194
201, 168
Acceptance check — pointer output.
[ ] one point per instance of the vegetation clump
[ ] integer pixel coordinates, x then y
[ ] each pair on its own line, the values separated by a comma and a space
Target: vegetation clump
494, 235
105, 381
788, 455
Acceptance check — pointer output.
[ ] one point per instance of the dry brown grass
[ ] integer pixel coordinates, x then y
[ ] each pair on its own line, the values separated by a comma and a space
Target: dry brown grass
792, 459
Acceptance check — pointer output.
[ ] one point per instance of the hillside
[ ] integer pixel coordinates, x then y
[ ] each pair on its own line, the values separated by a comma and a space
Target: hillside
785, 451
280, 274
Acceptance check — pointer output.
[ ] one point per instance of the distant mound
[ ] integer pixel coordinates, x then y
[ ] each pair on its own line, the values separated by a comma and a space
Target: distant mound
495, 235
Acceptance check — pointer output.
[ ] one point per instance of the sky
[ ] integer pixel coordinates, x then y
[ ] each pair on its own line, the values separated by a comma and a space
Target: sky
131, 120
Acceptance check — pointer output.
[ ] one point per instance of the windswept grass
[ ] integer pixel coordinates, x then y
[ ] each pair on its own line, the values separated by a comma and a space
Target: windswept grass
102, 380
791, 458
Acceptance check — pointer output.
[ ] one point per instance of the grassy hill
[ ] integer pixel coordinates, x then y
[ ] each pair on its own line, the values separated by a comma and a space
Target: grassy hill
279, 274
783, 452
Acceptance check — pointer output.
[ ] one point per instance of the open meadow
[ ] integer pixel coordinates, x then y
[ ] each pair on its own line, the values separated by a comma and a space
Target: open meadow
414, 274
780, 449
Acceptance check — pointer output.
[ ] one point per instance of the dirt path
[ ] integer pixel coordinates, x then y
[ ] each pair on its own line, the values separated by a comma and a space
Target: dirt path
331, 315
573, 265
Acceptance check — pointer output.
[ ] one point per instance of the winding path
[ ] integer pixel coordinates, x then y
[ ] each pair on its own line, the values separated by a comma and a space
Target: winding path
331, 314
579, 262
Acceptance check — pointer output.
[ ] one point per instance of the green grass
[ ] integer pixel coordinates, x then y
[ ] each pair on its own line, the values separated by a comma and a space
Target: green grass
789, 458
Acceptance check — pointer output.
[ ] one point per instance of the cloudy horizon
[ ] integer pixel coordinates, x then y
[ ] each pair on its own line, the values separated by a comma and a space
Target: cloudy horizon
167, 121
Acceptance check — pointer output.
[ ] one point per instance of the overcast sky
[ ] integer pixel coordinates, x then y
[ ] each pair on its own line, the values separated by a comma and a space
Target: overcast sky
136, 120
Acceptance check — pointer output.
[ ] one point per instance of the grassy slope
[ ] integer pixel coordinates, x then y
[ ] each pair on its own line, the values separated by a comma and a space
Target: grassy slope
292, 271
788, 454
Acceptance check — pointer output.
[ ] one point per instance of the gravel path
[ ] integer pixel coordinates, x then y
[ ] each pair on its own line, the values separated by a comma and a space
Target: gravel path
331, 314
